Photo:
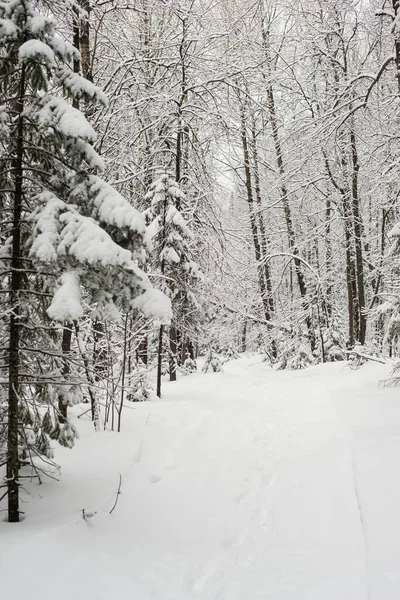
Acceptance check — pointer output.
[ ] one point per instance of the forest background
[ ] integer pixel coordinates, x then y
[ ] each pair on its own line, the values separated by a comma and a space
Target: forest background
187, 177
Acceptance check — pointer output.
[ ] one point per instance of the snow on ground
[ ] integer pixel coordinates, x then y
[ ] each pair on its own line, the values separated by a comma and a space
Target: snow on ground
244, 485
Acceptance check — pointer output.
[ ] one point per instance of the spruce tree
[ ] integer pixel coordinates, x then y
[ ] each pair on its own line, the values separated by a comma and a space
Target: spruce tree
67, 236
172, 252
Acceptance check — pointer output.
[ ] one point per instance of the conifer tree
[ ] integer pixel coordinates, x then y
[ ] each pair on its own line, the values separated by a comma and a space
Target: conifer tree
68, 237
172, 258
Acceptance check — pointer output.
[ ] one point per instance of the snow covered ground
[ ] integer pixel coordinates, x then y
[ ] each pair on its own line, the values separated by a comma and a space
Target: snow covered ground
244, 485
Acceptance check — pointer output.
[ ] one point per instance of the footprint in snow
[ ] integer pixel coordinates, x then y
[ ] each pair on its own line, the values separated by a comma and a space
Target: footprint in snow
154, 478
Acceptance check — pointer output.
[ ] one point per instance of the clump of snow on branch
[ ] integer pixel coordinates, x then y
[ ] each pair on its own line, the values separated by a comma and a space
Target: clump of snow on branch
37, 25
7, 29
81, 88
69, 121
112, 208
60, 230
66, 304
36, 50
154, 304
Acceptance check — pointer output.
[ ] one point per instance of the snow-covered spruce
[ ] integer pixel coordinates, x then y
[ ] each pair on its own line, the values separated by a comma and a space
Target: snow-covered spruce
212, 362
171, 241
74, 236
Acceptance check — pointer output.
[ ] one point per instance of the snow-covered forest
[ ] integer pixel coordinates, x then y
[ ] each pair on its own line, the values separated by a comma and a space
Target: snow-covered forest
199, 209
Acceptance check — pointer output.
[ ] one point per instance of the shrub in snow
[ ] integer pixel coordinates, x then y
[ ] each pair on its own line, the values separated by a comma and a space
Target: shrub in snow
360, 353
140, 388
229, 354
189, 366
334, 342
294, 355
212, 362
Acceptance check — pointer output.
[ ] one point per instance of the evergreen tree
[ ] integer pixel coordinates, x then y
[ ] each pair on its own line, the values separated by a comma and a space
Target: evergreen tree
172, 257
212, 362
69, 235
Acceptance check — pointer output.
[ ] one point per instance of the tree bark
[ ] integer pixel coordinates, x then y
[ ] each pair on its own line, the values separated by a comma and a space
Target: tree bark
172, 352
159, 360
396, 8
142, 351
358, 234
84, 42
66, 350
13, 465
252, 215
263, 234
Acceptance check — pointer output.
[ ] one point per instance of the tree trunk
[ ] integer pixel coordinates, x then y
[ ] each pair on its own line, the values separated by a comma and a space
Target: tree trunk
159, 359
84, 42
172, 352
351, 288
243, 340
358, 234
66, 350
142, 351
263, 235
252, 215
328, 258
12, 470
396, 9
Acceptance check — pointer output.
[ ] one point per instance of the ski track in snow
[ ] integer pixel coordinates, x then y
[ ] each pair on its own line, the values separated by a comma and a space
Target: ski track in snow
244, 485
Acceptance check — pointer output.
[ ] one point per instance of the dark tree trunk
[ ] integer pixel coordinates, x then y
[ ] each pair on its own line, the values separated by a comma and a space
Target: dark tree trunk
252, 215
328, 258
358, 234
84, 42
243, 339
179, 347
351, 288
66, 350
142, 351
76, 42
100, 350
12, 470
263, 234
172, 352
396, 9
159, 359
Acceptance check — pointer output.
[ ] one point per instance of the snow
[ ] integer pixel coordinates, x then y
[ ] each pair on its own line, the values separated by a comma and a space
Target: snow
66, 304
170, 255
396, 26
63, 49
69, 121
80, 87
4, 121
395, 231
151, 231
45, 232
61, 231
248, 484
92, 158
36, 50
155, 305
82, 238
38, 24
7, 28
114, 209
175, 217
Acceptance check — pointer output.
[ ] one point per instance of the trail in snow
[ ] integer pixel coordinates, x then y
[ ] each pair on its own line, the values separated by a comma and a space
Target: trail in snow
363, 525
244, 485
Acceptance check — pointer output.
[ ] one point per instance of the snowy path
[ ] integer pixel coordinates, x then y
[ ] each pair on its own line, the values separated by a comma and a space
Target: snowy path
243, 485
